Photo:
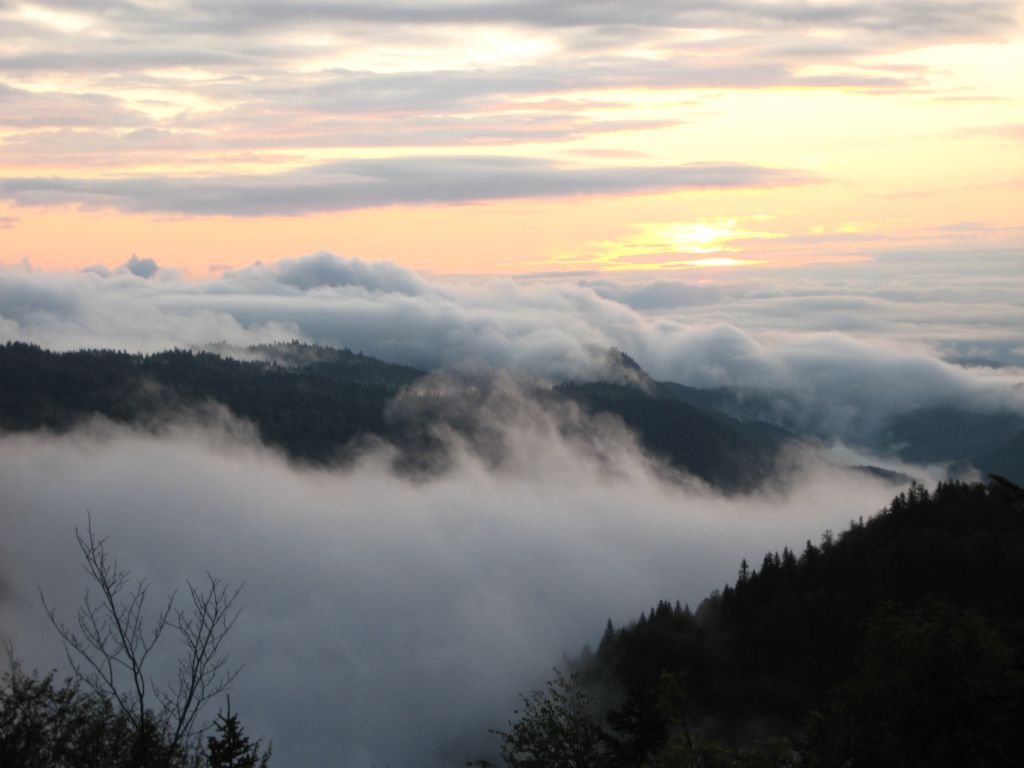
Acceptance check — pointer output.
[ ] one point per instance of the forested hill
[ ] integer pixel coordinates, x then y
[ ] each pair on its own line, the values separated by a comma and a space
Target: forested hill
311, 410
316, 403
898, 642
990, 439
724, 451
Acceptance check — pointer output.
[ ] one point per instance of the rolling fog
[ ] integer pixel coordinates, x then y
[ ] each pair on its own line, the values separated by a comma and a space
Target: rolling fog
389, 621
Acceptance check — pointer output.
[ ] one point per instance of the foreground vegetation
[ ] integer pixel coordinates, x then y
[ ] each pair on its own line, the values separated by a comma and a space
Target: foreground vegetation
116, 710
46, 724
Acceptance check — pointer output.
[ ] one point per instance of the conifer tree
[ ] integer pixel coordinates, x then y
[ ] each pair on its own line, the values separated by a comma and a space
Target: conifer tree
231, 748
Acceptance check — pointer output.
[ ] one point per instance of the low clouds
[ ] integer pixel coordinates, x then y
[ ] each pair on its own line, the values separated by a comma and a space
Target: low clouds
325, 270
389, 622
838, 354
656, 294
144, 268
381, 182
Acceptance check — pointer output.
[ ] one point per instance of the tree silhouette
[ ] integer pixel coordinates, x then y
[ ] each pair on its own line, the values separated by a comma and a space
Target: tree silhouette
109, 651
231, 748
556, 729
47, 725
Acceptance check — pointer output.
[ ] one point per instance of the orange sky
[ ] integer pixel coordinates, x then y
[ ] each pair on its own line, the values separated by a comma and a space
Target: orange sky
479, 138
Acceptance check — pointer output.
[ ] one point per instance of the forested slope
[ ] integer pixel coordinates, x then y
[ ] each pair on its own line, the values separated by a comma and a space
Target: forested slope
899, 641
318, 403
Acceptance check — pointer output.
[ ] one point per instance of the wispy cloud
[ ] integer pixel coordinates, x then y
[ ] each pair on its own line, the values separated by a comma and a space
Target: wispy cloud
382, 182
246, 74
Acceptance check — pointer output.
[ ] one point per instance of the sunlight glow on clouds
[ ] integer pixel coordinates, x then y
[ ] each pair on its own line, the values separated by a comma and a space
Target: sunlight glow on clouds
62, 21
657, 246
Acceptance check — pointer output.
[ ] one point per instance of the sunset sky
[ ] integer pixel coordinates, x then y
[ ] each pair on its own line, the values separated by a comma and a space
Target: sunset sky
493, 136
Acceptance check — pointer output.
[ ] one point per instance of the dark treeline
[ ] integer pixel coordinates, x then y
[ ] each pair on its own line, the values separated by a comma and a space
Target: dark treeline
726, 452
899, 642
318, 404
118, 708
46, 724
310, 410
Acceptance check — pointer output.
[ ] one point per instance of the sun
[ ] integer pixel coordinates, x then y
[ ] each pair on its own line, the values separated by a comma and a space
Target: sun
675, 245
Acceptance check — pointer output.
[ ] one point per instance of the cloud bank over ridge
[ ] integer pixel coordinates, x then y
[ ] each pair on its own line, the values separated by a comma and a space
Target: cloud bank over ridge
845, 354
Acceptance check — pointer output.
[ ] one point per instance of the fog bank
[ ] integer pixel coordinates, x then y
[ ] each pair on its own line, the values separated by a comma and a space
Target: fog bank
390, 622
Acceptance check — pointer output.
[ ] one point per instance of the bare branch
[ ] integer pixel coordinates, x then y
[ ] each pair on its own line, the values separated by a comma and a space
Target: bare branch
110, 646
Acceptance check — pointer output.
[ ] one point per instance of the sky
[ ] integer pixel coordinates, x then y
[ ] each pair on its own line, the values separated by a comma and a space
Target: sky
486, 137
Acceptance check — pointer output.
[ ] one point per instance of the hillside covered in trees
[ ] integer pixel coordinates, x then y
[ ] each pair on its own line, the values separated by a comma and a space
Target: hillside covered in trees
321, 405
898, 642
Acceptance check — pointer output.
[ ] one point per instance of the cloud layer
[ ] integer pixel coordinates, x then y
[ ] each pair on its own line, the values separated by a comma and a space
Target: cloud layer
84, 78
840, 354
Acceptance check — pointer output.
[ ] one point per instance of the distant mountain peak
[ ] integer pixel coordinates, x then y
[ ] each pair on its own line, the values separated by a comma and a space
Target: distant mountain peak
616, 367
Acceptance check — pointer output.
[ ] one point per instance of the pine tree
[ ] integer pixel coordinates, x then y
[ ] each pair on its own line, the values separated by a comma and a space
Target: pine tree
607, 638
231, 748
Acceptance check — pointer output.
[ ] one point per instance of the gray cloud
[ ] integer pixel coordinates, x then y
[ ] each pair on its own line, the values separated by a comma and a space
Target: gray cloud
911, 17
342, 91
656, 294
144, 268
251, 62
327, 270
199, 139
382, 182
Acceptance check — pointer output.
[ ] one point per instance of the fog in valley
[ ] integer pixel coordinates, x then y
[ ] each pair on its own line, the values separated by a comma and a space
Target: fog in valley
388, 621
